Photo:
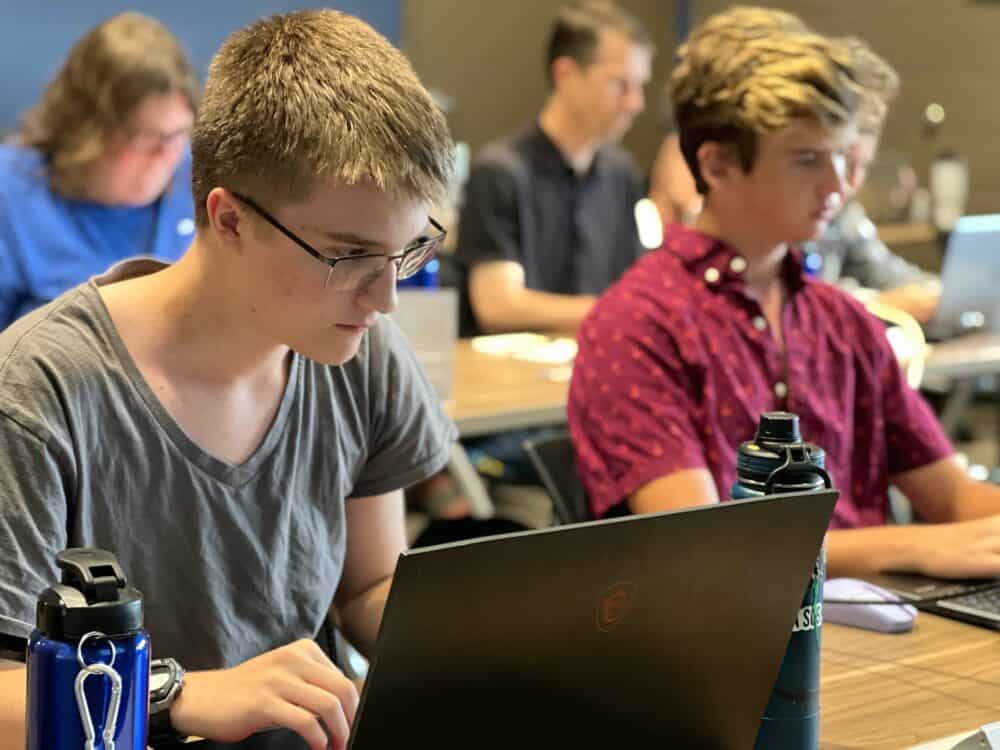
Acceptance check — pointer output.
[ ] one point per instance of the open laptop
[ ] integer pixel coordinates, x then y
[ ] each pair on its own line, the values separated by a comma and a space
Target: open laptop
970, 279
972, 601
664, 630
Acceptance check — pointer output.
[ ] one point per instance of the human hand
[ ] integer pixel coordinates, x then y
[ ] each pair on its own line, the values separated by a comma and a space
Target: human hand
293, 687
968, 549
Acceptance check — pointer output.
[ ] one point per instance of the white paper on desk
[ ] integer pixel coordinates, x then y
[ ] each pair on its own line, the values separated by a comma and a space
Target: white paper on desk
527, 347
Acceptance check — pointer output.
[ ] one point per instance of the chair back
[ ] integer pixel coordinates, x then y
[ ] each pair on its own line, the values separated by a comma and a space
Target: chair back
555, 462
906, 337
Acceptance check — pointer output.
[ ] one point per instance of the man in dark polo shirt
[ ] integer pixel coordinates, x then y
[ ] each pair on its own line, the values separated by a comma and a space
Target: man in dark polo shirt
679, 359
548, 220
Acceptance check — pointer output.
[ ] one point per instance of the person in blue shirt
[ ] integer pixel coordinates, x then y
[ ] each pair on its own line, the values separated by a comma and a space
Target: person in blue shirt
100, 168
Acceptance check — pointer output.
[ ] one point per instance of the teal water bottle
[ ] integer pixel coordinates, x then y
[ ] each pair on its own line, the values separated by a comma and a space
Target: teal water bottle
778, 461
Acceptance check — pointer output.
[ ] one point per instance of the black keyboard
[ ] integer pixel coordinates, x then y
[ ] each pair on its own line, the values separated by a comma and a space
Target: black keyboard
985, 604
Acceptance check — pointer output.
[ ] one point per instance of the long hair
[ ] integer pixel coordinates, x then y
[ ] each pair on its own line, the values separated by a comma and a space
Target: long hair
106, 75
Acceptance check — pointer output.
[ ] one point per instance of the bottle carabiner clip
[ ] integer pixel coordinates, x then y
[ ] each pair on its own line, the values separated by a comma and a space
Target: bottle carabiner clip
111, 719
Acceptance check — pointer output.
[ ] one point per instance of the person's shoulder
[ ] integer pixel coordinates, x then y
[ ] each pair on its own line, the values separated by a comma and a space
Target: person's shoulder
501, 155
617, 160
54, 331
652, 295
22, 170
513, 154
49, 358
839, 305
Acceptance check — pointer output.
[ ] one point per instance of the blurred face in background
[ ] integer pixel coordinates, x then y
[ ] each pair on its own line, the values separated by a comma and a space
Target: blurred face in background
860, 155
606, 95
143, 155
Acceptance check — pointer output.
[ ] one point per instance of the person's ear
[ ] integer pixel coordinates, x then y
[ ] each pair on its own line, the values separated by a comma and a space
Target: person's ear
563, 69
226, 216
717, 163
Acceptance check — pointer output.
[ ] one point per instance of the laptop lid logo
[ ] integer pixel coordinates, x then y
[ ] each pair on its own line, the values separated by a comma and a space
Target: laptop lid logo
614, 605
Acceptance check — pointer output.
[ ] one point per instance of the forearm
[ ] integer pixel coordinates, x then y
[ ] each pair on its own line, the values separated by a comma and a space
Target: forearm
876, 549
531, 310
13, 678
976, 500
361, 616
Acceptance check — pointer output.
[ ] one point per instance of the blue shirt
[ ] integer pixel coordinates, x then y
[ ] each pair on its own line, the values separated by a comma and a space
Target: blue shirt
49, 243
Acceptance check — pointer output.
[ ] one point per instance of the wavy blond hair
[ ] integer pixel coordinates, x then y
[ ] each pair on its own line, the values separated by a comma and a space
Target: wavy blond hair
752, 71
313, 95
105, 76
879, 85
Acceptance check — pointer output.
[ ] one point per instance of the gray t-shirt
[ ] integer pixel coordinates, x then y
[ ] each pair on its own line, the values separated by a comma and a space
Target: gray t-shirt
232, 560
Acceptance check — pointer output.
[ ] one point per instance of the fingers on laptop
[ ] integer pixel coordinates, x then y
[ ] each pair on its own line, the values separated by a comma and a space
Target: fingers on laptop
313, 688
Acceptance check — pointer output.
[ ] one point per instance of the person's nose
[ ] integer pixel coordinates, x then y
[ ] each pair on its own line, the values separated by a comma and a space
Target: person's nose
380, 294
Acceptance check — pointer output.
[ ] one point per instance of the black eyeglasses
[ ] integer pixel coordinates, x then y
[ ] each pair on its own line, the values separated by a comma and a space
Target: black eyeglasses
349, 273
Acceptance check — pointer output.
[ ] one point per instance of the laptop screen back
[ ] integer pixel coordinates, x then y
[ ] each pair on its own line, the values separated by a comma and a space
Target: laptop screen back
651, 631
971, 277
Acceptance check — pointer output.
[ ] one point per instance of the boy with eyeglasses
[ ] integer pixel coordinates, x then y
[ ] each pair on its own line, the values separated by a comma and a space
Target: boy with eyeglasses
237, 427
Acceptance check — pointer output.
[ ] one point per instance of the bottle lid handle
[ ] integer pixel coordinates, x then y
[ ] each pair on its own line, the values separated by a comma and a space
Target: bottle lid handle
96, 573
791, 465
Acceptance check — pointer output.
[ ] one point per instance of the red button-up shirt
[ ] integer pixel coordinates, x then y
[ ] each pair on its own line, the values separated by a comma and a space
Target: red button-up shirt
676, 365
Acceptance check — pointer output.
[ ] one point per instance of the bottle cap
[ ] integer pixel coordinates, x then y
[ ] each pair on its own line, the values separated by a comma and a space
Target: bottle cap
93, 596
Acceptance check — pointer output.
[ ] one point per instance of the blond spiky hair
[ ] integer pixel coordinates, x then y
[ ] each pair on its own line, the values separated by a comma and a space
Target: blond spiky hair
879, 85
308, 96
750, 21
751, 71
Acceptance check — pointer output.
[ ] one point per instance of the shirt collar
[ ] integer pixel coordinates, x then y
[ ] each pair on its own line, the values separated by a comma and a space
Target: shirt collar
718, 264
548, 158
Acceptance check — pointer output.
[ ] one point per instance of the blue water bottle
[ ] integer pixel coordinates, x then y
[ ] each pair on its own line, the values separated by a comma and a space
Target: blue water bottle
777, 461
88, 660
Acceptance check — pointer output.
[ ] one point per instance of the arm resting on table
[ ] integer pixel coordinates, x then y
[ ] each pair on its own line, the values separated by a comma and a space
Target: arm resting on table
503, 303
13, 689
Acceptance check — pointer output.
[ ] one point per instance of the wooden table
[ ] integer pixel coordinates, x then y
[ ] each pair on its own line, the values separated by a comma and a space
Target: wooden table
494, 394
960, 362
884, 692
965, 357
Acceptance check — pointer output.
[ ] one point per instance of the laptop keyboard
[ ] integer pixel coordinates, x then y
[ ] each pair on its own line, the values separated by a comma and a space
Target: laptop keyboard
985, 604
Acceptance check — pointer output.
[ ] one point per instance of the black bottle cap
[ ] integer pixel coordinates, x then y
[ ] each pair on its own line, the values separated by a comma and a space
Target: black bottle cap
93, 596
779, 427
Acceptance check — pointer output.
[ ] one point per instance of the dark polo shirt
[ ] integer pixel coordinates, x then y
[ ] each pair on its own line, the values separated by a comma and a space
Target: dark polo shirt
572, 234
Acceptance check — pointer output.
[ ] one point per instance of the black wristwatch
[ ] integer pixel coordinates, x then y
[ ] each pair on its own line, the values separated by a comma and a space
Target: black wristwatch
166, 680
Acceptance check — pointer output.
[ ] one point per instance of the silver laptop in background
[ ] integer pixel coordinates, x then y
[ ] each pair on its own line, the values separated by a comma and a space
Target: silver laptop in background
970, 279
429, 320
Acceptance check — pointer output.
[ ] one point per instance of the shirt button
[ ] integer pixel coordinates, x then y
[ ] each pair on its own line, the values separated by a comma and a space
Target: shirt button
712, 275
760, 322
738, 264
780, 389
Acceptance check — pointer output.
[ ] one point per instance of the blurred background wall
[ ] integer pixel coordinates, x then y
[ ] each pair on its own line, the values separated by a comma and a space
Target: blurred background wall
35, 36
488, 57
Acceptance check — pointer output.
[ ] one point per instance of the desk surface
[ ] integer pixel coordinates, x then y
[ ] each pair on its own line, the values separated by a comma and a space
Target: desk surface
965, 357
882, 692
494, 394
879, 692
